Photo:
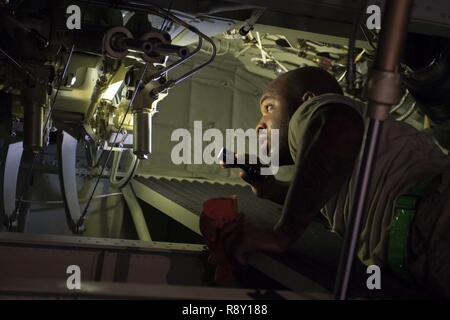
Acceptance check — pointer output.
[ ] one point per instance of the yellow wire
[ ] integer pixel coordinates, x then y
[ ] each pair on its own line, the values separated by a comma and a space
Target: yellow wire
426, 123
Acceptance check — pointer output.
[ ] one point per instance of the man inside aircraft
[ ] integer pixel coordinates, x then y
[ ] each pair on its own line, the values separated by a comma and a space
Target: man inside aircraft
406, 226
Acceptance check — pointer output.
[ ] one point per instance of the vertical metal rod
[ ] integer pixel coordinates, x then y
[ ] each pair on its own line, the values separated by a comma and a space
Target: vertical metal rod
360, 197
393, 34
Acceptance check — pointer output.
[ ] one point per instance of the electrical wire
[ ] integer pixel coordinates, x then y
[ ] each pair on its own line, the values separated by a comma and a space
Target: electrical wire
372, 44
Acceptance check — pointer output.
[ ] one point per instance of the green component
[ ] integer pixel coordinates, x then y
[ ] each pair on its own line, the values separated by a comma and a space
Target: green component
398, 236
405, 209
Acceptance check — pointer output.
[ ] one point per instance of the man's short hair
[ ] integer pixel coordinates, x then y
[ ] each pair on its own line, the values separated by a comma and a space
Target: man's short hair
294, 84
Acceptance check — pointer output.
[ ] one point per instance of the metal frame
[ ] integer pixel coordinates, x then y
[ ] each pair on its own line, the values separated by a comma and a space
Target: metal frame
120, 183
110, 290
152, 8
167, 206
136, 214
11, 157
76, 242
66, 155
113, 269
396, 23
260, 261
428, 16
102, 260
142, 116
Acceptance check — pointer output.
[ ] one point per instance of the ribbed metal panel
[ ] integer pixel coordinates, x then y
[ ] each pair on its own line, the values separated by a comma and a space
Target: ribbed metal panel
192, 194
315, 255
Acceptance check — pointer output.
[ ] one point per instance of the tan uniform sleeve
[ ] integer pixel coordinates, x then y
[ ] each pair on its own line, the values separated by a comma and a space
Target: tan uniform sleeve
301, 118
297, 128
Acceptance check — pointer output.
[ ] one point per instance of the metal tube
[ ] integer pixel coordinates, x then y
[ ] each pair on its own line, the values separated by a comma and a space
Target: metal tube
395, 24
131, 44
393, 35
34, 101
142, 133
136, 214
181, 61
120, 183
33, 119
170, 49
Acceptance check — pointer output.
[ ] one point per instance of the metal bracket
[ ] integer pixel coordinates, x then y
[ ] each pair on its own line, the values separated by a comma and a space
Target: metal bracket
384, 88
9, 172
128, 175
250, 23
66, 154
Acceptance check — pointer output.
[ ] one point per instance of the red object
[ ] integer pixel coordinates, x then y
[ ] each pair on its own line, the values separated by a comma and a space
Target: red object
216, 214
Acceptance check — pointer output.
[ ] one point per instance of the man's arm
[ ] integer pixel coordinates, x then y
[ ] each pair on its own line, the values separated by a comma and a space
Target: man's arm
270, 188
325, 162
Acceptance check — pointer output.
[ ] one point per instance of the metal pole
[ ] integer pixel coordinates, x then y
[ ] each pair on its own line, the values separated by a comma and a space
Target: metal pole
384, 92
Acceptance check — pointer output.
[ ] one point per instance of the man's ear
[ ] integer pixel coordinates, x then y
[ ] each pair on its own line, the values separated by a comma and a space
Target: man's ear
308, 95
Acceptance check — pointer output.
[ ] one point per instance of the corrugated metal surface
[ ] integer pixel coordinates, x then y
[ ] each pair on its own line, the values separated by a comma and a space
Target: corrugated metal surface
317, 243
315, 255
192, 194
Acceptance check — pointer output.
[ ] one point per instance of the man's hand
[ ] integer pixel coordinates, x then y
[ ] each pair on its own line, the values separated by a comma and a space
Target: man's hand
264, 187
242, 238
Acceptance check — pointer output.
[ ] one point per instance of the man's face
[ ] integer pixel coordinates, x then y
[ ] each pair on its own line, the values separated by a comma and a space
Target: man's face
275, 115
